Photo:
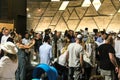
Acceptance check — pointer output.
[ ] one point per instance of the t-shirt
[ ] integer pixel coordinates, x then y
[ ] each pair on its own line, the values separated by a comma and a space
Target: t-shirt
74, 50
104, 51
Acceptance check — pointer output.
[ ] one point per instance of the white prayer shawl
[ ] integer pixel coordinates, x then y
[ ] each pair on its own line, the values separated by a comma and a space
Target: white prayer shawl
117, 48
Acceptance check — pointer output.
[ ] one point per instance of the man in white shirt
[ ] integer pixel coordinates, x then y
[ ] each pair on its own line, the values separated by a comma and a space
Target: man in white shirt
5, 36
26, 40
75, 59
45, 51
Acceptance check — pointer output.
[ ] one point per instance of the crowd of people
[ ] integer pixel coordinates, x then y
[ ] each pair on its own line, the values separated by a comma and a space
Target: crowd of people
80, 55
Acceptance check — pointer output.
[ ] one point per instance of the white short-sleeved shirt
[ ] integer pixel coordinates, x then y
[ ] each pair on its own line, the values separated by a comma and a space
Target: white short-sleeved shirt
25, 41
74, 50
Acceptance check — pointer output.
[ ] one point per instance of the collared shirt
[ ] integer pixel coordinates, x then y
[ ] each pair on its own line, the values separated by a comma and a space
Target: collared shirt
45, 53
99, 39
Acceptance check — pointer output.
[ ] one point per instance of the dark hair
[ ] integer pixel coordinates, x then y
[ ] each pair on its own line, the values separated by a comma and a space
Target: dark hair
102, 32
86, 28
46, 38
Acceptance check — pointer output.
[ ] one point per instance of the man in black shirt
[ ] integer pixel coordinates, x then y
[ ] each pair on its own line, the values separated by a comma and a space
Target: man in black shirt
107, 59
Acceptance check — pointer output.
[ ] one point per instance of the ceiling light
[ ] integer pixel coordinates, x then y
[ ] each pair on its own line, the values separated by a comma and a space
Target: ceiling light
86, 3
119, 10
111, 14
96, 4
39, 10
55, 0
28, 15
64, 5
27, 9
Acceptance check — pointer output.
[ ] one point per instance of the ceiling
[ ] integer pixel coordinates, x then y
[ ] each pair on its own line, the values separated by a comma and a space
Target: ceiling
44, 14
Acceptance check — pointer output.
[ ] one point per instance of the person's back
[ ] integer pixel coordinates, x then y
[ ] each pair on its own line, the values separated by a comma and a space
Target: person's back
74, 50
75, 59
9, 62
108, 61
8, 71
104, 51
45, 51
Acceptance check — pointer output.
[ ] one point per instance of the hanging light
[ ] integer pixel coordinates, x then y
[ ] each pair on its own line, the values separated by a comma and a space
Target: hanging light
64, 5
39, 9
86, 3
96, 4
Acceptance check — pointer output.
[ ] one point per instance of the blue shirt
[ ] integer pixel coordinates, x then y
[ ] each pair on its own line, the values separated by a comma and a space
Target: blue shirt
99, 39
45, 53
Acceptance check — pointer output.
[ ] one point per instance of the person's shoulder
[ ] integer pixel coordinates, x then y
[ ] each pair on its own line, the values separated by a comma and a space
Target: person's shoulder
23, 39
71, 44
4, 59
102, 45
80, 46
46, 44
49, 46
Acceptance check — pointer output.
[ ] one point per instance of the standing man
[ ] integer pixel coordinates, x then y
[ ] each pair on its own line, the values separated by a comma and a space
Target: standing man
4, 39
75, 59
117, 50
45, 51
5, 36
108, 62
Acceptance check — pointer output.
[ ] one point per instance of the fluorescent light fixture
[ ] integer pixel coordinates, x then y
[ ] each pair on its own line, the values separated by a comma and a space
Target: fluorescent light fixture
86, 3
55, 0
64, 5
96, 4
